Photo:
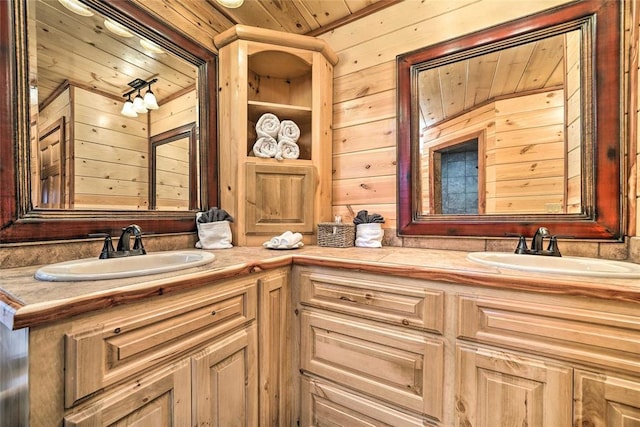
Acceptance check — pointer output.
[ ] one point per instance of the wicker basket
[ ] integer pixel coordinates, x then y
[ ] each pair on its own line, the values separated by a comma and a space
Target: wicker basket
336, 235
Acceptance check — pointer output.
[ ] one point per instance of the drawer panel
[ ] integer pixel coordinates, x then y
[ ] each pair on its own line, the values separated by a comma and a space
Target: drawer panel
592, 336
384, 301
325, 404
98, 355
401, 367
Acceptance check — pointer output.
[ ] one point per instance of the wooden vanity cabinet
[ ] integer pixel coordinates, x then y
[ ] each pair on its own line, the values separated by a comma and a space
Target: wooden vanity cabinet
370, 351
193, 358
382, 350
291, 76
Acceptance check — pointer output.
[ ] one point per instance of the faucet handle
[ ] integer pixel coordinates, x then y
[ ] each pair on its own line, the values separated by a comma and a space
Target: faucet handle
522, 246
107, 247
553, 249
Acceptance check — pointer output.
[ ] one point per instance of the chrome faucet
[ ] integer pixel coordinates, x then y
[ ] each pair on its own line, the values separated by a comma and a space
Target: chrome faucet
537, 244
124, 243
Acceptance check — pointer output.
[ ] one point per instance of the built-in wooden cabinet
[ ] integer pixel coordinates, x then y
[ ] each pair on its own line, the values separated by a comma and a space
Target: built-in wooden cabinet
194, 358
291, 76
382, 350
503, 388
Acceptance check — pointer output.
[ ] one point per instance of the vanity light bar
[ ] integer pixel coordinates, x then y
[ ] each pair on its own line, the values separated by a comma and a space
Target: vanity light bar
139, 104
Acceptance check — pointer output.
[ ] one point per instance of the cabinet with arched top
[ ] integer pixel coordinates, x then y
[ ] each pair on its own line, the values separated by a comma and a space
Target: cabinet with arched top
273, 187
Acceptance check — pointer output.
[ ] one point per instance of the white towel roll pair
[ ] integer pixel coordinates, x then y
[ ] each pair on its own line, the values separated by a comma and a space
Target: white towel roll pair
276, 139
286, 240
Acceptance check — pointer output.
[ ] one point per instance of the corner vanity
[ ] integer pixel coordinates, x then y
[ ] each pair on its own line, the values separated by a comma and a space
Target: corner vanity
325, 336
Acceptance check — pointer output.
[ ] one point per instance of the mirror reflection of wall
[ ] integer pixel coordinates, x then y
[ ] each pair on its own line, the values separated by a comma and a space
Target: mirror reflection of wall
81, 65
513, 113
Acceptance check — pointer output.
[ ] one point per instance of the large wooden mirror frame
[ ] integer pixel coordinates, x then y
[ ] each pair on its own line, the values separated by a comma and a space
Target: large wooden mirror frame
601, 216
19, 222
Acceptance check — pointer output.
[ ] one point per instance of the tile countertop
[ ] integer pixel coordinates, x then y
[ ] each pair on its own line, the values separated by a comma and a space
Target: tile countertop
25, 301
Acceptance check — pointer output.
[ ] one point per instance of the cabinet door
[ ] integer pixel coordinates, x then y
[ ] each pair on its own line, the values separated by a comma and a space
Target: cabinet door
605, 401
325, 404
274, 342
393, 365
225, 388
279, 198
160, 399
503, 389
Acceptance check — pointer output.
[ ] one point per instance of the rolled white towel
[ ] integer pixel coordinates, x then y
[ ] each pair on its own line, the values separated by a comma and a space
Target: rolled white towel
288, 129
265, 147
268, 125
289, 239
287, 149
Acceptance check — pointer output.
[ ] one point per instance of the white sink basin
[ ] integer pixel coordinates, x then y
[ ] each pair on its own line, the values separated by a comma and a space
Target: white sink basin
579, 266
114, 268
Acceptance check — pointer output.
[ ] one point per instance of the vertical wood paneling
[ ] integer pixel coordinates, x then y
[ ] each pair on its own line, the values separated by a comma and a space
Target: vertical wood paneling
364, 80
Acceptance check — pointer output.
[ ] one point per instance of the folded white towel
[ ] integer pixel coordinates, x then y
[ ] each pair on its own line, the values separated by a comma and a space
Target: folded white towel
286, 240
288, 129
268, 125
287, 149
265, 147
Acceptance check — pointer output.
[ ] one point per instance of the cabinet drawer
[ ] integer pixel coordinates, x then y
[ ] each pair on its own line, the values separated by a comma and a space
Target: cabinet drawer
588, 335
401, 367
97, 355
384, 301
325, 404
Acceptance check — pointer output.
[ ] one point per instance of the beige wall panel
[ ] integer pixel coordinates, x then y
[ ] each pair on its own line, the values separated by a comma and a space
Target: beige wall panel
366, 136
375, 163
366, 109
377, 190
372, 80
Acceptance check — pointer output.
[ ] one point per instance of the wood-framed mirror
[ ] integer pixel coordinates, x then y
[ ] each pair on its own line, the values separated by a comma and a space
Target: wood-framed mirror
515, 127
23, 215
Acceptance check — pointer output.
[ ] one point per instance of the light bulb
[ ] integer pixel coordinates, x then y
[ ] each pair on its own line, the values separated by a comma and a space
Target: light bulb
231, 4
150, 46
150, 100
138, 104
116, 28
76, 7
128, 110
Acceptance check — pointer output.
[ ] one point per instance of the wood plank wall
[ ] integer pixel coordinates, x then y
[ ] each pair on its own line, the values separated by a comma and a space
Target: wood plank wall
364, 143
524, 151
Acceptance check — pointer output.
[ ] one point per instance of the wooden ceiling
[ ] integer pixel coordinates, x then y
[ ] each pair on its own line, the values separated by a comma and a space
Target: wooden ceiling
450, 90
81, 50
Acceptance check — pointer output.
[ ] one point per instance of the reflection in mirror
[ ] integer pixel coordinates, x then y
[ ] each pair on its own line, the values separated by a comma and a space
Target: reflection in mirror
500, 133
514, 127
173, 171
86, 167
83, 67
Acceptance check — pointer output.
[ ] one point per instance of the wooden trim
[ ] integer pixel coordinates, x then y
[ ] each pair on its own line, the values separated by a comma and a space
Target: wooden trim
603, 217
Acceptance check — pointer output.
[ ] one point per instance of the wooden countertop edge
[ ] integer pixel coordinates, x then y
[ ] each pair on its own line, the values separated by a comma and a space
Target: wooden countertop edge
39, 314
499, 280
42, 313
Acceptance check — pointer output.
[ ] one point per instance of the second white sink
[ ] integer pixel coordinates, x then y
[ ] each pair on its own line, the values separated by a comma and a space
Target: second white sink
114, 268
576, 266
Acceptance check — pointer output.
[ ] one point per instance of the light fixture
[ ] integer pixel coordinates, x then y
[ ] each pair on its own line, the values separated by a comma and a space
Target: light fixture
127, 108
139, 105
117, 29
150, 100
76, 7
150, 46
231, 4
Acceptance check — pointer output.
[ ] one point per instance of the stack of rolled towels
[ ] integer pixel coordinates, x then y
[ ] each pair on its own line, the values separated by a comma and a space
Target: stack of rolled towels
276, 138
